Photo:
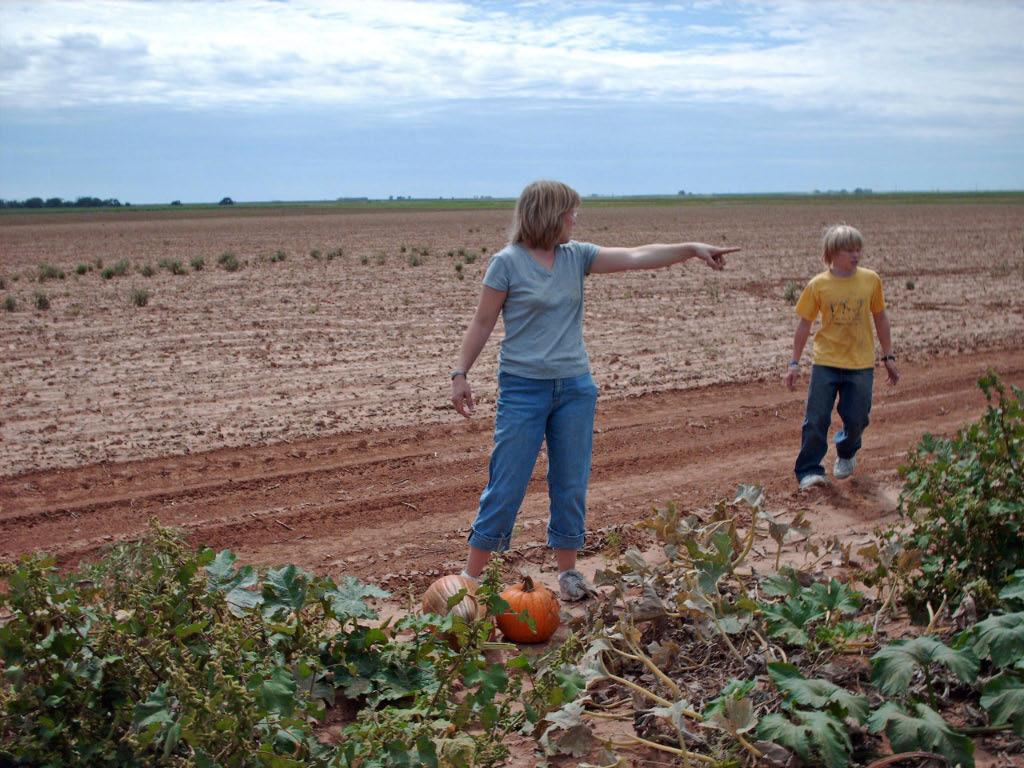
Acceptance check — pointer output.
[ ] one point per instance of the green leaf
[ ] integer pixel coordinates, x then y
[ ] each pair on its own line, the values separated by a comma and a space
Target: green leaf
789, 619
921, 728
188, 630
284, 592
154, 709
277, 693
1013, 591
1003, 697
893, 667
348, 600
835, 597
818, 732
222, 577
1001, 638
817, 693
785, 583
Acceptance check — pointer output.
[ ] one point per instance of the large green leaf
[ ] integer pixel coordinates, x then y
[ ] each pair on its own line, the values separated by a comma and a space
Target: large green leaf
1003, 697
785, 583
835, 597
809, 734
284, 592
1001, 638
893, 667
277, 692
817, 693
348, 600
155, 709
1013, 591
921, 728
221, 576
789, 619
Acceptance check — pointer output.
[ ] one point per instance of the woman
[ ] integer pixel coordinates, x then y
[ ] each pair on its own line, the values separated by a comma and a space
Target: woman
545, 390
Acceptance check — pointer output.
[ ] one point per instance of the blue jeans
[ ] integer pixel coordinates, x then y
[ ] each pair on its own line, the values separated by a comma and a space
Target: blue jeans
853, 388
530, 411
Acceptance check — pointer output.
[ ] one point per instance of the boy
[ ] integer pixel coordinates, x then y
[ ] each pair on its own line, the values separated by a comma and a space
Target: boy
847, 298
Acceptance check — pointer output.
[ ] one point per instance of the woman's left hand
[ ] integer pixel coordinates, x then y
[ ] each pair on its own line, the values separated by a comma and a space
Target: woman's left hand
712, 255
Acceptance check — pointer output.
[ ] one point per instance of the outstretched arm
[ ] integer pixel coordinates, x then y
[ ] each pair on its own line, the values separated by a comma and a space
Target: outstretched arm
803, 330
477, 333
884, 331
657, 255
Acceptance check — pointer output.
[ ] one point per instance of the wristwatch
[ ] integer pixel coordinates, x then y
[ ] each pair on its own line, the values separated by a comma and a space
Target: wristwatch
886, 358
458, 372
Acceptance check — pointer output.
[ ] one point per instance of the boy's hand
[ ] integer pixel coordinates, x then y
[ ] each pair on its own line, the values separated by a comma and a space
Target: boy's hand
791, 377
892, 373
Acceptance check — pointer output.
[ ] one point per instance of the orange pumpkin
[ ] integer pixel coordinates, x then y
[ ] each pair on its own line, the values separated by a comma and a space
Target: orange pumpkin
435, 599
540, 604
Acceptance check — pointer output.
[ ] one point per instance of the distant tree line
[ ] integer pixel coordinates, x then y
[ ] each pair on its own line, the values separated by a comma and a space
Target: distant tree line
857, 191
59, 202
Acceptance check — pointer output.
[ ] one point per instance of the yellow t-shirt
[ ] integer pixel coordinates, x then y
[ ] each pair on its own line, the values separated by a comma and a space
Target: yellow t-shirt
846, 306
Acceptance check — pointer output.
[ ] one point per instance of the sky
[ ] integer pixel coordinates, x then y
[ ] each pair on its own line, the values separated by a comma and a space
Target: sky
261, 100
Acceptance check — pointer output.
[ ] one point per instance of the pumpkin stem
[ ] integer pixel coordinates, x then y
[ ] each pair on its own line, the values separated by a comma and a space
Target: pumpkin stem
527, 583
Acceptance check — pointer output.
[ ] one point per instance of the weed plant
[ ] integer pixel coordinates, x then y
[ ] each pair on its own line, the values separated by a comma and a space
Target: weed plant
3, 284
315, 254
81, 269
278, 256
335, 253
910, 285
120, 269
173, 266
140, 297
791, 292
159, 655
42, 302
963, 500
229, 262
50, 272
10, 305
197, 263
147, 270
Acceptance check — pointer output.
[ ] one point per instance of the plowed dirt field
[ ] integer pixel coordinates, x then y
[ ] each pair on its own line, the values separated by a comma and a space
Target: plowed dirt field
297, 410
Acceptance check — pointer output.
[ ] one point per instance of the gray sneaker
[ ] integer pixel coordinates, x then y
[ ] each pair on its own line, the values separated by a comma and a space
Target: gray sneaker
574, 586
808, 481
844, 468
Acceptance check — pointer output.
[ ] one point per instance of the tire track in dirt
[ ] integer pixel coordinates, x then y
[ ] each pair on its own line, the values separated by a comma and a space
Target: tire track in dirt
401, 500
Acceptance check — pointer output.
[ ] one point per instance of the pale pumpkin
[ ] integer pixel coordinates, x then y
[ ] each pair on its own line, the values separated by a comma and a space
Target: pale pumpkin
540, 604
435, 599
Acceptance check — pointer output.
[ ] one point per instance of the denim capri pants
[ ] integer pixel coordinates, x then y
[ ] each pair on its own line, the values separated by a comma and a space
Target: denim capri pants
530, 411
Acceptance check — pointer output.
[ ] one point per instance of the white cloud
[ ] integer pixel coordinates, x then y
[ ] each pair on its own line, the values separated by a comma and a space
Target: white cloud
866, 61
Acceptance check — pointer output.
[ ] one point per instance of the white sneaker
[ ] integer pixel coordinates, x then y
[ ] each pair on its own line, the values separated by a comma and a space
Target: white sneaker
844, 468
808, 481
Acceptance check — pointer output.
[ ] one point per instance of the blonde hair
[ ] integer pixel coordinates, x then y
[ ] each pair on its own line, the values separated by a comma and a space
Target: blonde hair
537, 220
840, 237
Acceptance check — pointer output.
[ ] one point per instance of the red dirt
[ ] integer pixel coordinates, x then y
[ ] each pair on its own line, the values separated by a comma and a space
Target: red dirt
399, 501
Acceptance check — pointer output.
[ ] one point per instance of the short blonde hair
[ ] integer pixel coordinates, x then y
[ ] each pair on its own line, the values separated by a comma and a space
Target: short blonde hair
840, 237
537, 220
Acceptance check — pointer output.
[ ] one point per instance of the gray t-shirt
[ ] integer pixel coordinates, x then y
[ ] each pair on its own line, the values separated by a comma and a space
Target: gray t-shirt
543, 310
